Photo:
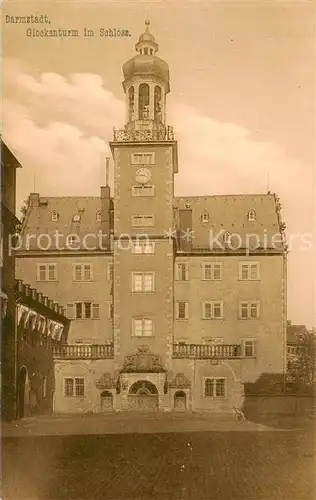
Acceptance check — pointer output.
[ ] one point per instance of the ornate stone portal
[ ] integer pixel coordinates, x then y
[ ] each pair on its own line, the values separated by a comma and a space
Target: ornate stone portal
143, 362
107, 381
180, 382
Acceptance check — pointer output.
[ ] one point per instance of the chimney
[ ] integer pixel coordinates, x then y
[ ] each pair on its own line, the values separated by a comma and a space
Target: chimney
34, 199
185, 236
105, 208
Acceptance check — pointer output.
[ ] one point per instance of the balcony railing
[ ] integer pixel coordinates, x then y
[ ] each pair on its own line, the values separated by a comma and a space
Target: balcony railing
205, 351
160, 133
97, 351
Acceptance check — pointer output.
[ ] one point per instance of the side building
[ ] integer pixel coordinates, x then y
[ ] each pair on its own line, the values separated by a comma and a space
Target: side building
32, 325
186, 302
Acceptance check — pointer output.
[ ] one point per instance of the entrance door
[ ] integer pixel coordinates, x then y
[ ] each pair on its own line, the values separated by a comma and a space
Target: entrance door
180, 401
143, 396
106, 401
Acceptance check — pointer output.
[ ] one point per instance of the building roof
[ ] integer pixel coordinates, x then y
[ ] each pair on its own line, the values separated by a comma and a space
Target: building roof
227, 213
295, 332
230, 214
7, 157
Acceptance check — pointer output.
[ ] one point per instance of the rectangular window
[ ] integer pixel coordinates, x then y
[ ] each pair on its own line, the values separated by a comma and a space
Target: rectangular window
110, 273
146, 247
82, 272
215, 387
249, 271
249, 310
143, 282
212, 310
46, 272
249, 348
143, 220
74, 386
143, 327
69, 386
182, 309
143, 190
83, 310
182, 271
143, 158
212, 271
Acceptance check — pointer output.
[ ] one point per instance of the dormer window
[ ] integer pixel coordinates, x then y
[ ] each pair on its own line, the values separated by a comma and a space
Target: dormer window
187, 205
226, 237
55, 216
205, 217
251, 215
76, 218
98, 216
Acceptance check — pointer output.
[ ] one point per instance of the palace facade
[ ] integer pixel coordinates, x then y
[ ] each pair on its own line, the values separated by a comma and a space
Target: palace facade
174, 305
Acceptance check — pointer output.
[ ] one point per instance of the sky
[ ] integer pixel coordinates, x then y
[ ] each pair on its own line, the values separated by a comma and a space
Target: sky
242, 102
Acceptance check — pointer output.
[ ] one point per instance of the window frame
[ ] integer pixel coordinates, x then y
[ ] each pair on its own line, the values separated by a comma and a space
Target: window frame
46, 265
143, 187
244, 347
212, 303
54, 216
186, 272
72, 310
142, 218
82, 266
143, 154
74, 387
249, 303
186, 310
143, 245
143, 319
213, 265
249, 264
251, 212
214, 396
143, 274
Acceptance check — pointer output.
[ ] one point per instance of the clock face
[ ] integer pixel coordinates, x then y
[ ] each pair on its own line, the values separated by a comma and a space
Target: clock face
143, 175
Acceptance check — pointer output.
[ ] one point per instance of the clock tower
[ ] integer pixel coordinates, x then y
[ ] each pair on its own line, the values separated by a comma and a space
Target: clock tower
145, 161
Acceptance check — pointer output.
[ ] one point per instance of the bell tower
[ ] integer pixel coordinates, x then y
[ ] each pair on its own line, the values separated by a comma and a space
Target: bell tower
145, 161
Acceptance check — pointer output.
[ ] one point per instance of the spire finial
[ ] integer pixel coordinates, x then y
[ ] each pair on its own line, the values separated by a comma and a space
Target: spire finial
147, 23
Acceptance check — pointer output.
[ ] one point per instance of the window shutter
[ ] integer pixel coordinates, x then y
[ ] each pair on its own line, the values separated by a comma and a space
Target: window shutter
70, 311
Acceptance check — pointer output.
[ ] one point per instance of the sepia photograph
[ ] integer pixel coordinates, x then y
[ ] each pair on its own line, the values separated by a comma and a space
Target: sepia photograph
158, 250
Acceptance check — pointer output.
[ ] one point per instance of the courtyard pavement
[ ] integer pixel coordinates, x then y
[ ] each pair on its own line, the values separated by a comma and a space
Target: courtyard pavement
127, 422
155, 457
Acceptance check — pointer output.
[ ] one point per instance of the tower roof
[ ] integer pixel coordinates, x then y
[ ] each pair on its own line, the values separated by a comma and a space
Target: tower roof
145, 62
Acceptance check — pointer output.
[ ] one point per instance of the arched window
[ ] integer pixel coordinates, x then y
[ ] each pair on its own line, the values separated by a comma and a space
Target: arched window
157, 103
98, 216
205, 217
151, 52
143, 101
131, 103
251, 215
55, 216
146, 51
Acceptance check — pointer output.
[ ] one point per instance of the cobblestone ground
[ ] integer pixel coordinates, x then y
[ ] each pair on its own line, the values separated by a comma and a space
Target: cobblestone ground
211, 464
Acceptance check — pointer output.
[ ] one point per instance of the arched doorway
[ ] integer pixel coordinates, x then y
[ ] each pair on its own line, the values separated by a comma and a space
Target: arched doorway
22, 384
106, 401
180, 401
143, 396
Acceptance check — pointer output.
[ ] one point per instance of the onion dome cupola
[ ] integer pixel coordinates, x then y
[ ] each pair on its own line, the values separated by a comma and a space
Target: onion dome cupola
146, 81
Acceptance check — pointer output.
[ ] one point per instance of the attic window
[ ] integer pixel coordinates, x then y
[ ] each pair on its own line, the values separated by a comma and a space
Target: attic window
251, 215
187, 205
55, 216
98, 216
76, 218
226, 237
205, 217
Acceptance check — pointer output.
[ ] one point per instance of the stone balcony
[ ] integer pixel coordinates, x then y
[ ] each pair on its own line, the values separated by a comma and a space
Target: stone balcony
80, 351
205, 351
